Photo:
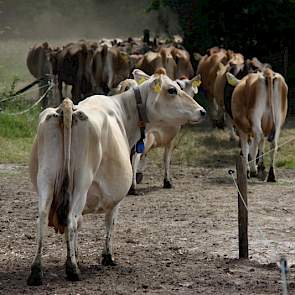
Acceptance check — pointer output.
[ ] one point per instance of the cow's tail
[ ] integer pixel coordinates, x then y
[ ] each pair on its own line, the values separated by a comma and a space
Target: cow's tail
60, 205
268, 73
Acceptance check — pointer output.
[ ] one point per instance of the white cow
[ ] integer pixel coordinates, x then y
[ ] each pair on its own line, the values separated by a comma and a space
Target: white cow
158, 135
81, 158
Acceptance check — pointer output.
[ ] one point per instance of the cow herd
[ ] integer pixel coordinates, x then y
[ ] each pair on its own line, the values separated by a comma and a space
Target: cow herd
82, 160
91, 67
253, 100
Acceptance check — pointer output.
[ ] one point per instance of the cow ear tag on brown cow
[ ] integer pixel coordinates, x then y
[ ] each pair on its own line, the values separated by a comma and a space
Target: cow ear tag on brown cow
232, 80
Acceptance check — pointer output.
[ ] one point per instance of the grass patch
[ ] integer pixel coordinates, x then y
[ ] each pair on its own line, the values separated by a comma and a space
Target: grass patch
15, 150
16, 132
206, 147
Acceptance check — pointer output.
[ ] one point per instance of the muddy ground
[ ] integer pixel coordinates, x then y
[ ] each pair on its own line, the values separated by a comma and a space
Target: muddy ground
177, 241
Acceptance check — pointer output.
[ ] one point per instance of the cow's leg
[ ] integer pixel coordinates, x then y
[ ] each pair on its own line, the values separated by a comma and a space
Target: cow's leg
138, 162
76, 95
167, 160
260, 163
148, 145
42, 90
135, 162
60, 90
213, 113
245, 150
74, 218
229, 124
72, 269
45, 200
107, 255
271, 173
253, 153
140, 168
79, 223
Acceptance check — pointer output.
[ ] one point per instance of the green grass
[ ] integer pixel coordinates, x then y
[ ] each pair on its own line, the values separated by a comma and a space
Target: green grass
206, 147
16, 131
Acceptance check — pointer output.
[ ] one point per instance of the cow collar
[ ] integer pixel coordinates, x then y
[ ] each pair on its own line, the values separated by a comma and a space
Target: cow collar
142, 116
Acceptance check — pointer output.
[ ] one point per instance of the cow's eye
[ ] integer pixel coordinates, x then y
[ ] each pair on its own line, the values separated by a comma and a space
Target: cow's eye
172, 91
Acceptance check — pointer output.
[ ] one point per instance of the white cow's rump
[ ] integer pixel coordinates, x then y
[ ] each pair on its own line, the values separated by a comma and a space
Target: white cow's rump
81, 159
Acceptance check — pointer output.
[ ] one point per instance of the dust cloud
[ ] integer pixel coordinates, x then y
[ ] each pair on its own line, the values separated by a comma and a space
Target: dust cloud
90, 19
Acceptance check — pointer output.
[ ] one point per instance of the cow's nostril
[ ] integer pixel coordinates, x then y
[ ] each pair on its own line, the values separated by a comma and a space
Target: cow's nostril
203, 113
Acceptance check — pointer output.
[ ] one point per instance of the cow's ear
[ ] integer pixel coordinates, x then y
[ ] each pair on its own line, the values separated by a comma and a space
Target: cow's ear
232, 80
196, 82
156, 85
140, 76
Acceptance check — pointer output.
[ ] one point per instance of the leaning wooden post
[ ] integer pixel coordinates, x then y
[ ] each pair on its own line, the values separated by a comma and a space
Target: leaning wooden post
243, 210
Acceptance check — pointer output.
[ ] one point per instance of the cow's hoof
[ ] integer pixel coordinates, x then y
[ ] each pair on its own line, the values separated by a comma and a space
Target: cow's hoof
167, 184
271, 176
35, 278
261, 173
107, 260
132, 191
253, 174
139, 177
73, 272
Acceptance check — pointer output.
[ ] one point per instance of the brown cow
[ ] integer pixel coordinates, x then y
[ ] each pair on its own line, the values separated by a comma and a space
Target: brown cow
40, 66
259, 108
184, 66
110, 67
222, 91
74, 67
208, 68
152, 61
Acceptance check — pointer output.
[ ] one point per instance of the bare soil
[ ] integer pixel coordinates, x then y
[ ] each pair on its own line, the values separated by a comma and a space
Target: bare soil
167, 241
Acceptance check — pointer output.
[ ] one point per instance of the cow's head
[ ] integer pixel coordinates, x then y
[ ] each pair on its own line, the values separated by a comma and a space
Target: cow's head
190, 86
166, 102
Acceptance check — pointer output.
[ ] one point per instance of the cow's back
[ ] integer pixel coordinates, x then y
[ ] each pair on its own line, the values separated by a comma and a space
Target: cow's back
38, 61
245, 98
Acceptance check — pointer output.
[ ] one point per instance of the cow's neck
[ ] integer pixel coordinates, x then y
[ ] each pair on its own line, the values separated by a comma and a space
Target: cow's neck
130, 117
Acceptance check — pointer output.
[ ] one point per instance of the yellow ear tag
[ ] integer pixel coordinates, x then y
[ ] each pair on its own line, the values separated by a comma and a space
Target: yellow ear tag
232, 82
141, 80
157, 88
196, 83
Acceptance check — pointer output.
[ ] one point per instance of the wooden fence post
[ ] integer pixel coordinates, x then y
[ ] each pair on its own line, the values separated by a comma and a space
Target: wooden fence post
243, 211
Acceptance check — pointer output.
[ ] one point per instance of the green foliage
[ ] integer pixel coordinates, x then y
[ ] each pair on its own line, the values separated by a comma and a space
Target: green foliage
251, 27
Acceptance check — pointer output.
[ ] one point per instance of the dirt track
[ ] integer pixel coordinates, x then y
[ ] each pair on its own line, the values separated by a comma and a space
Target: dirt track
179, 241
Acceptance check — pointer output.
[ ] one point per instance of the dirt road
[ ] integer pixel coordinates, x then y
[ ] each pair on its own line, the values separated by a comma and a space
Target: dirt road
178, 241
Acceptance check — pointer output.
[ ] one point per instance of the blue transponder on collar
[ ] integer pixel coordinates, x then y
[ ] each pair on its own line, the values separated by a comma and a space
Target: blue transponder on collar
139, 148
